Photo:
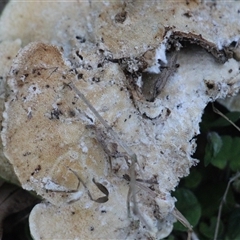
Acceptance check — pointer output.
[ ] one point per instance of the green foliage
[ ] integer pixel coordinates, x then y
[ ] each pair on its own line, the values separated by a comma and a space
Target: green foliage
223, 150
233, 224
208, 229
236, 185
212, 120
210, 194
193, 180
200, 194
222, 122
213, 148
188, 204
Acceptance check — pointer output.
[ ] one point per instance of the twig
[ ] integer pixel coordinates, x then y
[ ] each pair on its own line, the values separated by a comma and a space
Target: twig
166, 73
221, 204
225, 117
132, 155
175, 212
104, 123
231, 179
182, 219
99, 186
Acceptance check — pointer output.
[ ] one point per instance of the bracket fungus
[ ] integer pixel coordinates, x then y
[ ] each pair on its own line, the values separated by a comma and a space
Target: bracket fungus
8, 50
74, 120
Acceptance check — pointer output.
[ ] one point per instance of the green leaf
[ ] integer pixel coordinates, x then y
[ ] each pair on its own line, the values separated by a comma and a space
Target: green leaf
193, 179
189, 206
209, 230
207, 119
222, 150
229, 152
233, 224
216, 142
210, 195
221, 158
222, 122
235, 155
236, 185
213, 147
230, 238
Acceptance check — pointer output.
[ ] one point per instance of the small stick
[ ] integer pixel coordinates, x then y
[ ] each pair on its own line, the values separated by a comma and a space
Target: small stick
128, 150
153, 84
99, 186
175, 212
166, 73
225, 117
104, 123
222, 202
132, 179
231, 179
182, 219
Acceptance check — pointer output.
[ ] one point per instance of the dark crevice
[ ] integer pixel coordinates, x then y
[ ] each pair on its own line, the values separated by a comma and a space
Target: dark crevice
2, 5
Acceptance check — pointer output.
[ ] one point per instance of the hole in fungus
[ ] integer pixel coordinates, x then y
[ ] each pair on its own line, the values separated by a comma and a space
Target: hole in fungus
121, 17
96, 79
210, 85
80, 76
81, 39
233, 44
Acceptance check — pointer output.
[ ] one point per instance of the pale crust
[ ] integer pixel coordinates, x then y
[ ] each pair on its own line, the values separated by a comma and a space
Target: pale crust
46, 131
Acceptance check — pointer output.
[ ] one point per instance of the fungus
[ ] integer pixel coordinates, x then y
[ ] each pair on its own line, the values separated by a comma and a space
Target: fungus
8, 50
62, 150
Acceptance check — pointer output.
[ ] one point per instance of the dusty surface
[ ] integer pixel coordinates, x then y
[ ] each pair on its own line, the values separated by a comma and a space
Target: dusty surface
8, 51
52, 138
49, 135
